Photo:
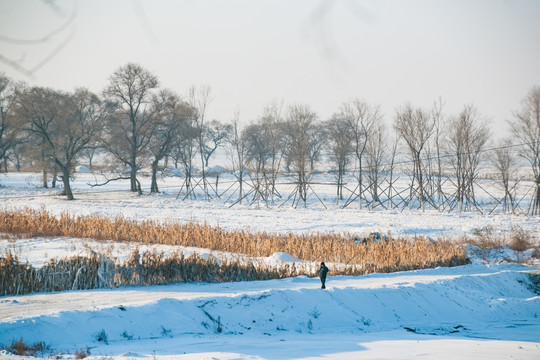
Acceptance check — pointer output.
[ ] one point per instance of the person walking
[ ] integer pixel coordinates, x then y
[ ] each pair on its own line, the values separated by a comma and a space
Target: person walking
322, 274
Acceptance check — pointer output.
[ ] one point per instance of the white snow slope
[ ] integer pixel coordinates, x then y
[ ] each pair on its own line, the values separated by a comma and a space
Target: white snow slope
473, 311
479, 311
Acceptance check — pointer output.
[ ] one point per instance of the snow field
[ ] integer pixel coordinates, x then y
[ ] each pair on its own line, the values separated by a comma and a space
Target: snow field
22, 190
486, 310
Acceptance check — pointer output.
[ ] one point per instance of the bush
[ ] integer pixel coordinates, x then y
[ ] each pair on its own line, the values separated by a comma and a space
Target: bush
520, 240
102, 336
82, 353
484, 238
19, 347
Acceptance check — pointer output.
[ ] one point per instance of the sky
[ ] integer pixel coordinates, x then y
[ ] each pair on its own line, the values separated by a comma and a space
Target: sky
316, 52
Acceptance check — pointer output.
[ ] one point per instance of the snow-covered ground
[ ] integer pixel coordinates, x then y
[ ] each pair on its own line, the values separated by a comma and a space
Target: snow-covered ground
23, 190
486, 310
475, 311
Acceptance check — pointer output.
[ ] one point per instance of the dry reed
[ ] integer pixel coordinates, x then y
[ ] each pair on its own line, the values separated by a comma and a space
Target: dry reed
98, 270
386, 256
517, 239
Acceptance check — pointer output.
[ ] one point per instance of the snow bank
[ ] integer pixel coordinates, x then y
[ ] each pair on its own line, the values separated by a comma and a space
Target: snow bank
174, 172
492, 302
83, 170
283, 257
215, 170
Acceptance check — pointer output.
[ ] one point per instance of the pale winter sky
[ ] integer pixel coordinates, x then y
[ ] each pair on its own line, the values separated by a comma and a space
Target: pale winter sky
315, 52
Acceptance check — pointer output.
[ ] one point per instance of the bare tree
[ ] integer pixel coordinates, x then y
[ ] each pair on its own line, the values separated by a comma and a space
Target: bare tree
258, 153
505, 161
172, 112
415, 126
10, 125
238, 152
214, 135
65, 124
361, 118
272, 122
439, 118
340, 141
526, 127
130, 130
185, 149
302, 134
90, 153
375, 151
199, 98
467, 135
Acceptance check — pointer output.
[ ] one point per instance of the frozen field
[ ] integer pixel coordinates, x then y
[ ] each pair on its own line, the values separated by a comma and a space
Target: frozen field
487, 310
22, 190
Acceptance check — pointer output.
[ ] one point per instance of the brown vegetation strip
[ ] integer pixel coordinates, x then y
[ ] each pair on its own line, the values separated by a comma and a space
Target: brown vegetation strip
149, 268
394, 255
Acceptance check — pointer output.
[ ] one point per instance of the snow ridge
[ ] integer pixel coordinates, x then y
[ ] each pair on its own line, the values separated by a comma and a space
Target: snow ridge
475, 301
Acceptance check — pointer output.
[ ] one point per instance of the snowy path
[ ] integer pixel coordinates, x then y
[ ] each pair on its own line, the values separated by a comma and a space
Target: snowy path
460, 305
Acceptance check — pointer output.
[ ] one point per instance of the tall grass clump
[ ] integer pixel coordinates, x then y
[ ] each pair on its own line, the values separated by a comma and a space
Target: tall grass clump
19, 347
98, 270
517, 239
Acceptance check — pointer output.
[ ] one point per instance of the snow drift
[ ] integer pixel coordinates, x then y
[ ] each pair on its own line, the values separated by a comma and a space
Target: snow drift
492, 302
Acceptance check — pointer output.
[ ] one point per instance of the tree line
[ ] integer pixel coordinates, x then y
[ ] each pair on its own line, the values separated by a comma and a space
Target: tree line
136, 123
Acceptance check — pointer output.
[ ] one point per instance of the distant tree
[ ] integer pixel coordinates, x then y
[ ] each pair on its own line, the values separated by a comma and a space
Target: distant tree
65, 125
340, 143
467, 136
526, 128
375, 157
11, 134
237, 152
272, 126
90, 153
302, 145
505, 161
415, 127
362, 119
258, 153
131, 126
434, 150
171, 112
214, 135
185, 150
19, 152
199, 98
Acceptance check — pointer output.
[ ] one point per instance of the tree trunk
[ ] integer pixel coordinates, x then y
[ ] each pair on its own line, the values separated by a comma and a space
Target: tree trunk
55, 175
241, 179
45, 179
154, 186
536, 207
133, 179
90, 158
67, 185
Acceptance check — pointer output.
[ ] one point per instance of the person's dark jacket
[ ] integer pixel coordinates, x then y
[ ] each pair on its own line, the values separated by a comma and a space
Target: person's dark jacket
323, 271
